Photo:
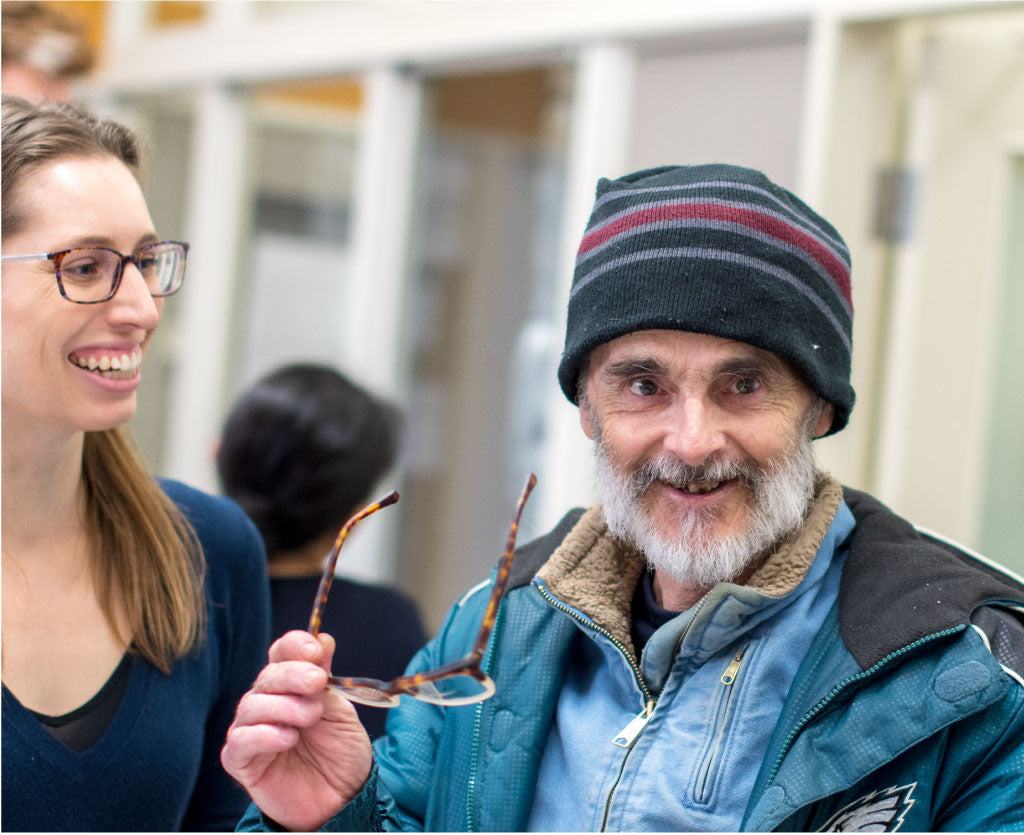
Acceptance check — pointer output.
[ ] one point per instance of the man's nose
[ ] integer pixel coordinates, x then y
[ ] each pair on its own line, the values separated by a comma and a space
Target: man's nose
692, 432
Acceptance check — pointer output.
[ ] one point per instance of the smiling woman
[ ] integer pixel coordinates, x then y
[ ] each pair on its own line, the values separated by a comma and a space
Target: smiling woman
123, 654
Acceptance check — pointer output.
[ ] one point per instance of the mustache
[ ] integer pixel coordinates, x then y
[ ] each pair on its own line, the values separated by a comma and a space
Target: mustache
672, 470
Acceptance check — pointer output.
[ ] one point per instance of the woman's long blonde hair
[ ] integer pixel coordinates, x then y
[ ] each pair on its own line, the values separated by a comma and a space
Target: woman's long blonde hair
145, 558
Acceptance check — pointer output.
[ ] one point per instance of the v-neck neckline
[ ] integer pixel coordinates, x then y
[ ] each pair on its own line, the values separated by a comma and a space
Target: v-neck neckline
68, 761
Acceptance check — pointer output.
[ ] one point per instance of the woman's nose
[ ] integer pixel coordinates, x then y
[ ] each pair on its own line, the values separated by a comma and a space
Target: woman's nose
133, 300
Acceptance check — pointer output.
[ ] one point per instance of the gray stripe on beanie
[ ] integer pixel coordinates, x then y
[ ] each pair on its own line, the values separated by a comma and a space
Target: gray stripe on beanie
813, 231
729, 258
795, 217
722, 226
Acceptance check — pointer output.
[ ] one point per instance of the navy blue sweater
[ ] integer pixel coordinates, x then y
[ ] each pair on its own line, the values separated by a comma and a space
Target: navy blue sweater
157, 766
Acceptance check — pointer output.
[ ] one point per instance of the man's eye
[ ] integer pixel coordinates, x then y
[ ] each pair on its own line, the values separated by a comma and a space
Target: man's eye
744, 385
644, 387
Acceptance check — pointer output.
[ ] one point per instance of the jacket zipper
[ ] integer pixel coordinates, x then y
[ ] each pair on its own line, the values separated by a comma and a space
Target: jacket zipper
835, 691
591, 625
721, 721
632, 731
477, 722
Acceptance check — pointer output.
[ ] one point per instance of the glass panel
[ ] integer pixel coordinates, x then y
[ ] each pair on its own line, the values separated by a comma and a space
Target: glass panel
485, 322
295, 261
1002, 534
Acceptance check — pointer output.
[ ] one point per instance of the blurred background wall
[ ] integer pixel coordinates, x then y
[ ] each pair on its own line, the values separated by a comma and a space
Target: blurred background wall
398, 188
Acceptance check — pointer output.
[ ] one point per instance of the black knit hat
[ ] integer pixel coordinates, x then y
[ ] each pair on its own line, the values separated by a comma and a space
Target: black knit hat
719, 250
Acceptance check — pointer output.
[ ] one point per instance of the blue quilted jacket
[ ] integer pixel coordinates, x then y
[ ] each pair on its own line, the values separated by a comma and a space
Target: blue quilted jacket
906, 713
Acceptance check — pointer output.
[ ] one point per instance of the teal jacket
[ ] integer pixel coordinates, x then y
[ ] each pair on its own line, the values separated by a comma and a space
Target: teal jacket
906, 713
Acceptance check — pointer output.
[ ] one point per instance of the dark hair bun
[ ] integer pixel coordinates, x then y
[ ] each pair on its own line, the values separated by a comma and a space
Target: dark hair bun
302, 449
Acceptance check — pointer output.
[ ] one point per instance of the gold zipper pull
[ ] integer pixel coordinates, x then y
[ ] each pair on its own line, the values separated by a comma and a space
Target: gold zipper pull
627, 736
729, 676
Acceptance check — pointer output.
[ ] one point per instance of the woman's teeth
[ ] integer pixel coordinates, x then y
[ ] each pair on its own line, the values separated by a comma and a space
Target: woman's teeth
117, 367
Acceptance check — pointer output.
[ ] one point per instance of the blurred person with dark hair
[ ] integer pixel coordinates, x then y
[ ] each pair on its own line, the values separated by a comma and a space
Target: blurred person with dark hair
300, 452
43, 50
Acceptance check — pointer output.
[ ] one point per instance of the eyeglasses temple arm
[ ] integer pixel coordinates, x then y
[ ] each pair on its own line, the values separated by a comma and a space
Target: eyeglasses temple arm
332, 561
504, 567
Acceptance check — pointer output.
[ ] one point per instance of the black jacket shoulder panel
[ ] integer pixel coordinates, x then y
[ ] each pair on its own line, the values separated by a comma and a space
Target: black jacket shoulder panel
1003, 631
900, 585
530, 557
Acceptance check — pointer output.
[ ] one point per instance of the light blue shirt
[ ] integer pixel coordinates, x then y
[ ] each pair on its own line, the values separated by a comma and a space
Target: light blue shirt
719, 671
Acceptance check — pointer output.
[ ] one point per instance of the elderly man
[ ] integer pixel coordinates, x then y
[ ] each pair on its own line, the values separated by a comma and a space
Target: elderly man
730, 640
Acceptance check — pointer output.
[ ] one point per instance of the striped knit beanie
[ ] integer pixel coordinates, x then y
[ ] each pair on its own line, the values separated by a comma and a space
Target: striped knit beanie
719, 250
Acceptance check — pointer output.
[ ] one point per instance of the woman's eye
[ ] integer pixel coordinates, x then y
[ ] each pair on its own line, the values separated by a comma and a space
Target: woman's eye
643, 387
744, 385
81, 269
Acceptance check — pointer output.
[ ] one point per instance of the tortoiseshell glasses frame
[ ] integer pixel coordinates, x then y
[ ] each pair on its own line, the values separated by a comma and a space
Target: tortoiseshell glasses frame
461, 682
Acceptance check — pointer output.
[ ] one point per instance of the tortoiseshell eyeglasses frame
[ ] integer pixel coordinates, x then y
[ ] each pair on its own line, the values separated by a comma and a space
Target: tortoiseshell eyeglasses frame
389, 692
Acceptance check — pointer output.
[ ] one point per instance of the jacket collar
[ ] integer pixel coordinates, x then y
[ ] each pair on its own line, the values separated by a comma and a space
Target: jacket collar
593, 572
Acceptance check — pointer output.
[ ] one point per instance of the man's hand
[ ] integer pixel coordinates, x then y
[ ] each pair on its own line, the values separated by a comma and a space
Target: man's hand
297, 748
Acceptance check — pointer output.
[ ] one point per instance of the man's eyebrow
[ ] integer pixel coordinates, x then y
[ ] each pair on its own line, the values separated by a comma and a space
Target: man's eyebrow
765, 366
632, 366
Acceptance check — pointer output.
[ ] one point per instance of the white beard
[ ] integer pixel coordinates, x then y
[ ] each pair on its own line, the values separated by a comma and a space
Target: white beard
781, 493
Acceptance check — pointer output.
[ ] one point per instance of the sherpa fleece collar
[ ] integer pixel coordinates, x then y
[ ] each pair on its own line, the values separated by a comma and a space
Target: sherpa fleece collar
592, 572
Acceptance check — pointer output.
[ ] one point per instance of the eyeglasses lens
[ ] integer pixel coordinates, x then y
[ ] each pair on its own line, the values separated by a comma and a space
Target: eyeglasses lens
163, 266
459, 689
368, 694
453, 690
88, 275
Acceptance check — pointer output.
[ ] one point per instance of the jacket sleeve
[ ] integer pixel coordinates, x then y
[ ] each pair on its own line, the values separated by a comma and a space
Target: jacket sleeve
396, 795
406, 755
363, 814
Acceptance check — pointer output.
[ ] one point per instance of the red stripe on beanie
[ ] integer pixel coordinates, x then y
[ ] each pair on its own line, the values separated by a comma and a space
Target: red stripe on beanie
750, 218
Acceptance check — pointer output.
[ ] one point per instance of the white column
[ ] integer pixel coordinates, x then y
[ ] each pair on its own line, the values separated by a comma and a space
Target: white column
383, 192
819, 87
599, 136
215, 204
373, 343
897, 366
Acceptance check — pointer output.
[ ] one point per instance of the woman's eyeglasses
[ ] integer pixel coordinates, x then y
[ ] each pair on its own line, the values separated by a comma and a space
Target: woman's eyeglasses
459, 683
92, 274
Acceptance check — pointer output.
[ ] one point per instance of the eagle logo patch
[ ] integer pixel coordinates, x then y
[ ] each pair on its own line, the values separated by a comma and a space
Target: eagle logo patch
879, 811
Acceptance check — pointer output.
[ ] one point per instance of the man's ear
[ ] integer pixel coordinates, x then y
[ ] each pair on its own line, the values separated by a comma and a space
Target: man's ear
824, 421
